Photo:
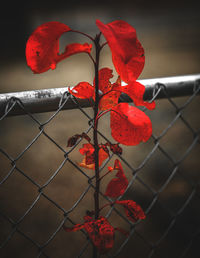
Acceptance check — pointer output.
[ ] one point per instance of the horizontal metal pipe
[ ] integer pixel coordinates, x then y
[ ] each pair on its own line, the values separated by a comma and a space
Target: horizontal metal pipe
46, 100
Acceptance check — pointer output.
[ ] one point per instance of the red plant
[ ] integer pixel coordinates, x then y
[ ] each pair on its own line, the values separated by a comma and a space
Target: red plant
100, 232
129, 125
117, 186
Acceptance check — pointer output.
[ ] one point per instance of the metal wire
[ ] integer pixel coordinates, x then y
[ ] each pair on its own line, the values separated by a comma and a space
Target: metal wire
137, 244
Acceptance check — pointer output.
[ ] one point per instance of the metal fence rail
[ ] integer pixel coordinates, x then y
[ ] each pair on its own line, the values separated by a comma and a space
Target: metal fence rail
45, 100
164, 179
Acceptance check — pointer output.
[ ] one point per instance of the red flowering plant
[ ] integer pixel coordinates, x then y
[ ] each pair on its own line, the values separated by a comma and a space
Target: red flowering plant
129, 125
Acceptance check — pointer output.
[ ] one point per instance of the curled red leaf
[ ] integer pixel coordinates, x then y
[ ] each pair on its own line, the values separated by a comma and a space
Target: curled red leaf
129, 125
72, 140
42, 48
74, 48
133, 211
117, 186
127, 52
86, 137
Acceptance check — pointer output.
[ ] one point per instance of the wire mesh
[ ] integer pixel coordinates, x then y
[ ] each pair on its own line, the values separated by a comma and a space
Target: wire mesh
42, 187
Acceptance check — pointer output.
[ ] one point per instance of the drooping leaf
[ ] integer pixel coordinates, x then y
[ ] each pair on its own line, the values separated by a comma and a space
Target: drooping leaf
42, 48
118, 166
117, 186
101, 233
129, 125
127, 52
133, 211
82, 90
135, 91
72, 140
86, 137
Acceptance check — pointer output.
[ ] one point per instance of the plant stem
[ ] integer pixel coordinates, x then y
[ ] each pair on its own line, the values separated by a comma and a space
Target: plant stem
95, 136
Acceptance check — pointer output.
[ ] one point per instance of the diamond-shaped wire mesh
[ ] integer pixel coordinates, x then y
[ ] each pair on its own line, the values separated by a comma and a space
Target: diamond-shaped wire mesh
42, 186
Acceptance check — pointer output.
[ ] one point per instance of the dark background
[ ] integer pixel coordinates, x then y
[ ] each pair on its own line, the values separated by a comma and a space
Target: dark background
168, 30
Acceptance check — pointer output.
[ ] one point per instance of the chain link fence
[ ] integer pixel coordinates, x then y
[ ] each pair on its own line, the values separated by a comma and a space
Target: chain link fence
42, 187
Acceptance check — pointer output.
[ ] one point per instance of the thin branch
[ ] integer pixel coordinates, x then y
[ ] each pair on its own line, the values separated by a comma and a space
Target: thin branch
103, 45
92, 58
84, 34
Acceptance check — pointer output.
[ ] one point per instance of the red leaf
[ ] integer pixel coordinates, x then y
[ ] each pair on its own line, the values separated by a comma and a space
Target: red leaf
118, 167
87, 149
83, 90
85, 165
72, 140
105, 148
86, 137
111, 92
109, 100
89, 161
42, 48
74, 48
127, 52
133, 211
117, 186
105, 74
129, 125
116, 149
136, 90
101, 233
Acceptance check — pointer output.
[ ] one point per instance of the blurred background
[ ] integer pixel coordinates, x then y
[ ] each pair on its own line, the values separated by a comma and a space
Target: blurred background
169, 32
